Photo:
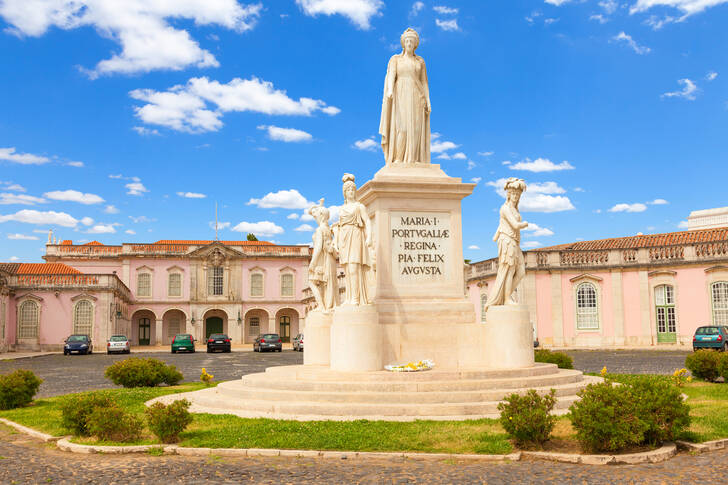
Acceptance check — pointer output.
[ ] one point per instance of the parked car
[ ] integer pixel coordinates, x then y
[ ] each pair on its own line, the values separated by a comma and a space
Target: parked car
298, 342
218, 341
118, 343
80, 344
711, 337
268, 341
183, 341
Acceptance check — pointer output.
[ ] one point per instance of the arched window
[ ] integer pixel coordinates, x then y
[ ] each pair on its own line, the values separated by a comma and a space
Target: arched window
28, 320
287, 284
83, 318
174, 327
254, 326
144, 284
483, 301
214, 280
719, 297
175, 284
587, 310
256, 284
665, 313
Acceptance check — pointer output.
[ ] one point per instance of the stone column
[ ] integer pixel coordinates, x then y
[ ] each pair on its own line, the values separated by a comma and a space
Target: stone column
158, 337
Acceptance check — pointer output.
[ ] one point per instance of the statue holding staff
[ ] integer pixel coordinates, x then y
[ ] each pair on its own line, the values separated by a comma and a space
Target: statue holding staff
322, 268
405, 121
511, 265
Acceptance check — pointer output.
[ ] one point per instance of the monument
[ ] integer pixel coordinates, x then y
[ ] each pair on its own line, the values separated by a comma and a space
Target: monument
399, 242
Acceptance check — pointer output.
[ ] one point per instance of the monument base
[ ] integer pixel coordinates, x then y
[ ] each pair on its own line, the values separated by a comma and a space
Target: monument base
356, 339
317, 343
508, 337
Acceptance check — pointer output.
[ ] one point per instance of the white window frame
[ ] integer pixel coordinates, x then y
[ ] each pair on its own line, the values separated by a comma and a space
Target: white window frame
719, 309
169, 284
35, 327
91, 316
587, 317
138, 285
252, 318
212, 280
667, 302
293, 284
262, 284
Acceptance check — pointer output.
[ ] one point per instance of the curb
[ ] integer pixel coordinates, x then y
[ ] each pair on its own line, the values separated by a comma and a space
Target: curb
29, 431
703, 447
667, 451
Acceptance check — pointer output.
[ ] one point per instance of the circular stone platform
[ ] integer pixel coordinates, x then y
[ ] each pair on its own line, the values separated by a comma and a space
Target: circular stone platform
308, 393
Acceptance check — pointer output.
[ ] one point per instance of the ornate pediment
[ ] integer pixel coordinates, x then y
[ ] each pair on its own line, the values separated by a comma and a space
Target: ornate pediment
216, 254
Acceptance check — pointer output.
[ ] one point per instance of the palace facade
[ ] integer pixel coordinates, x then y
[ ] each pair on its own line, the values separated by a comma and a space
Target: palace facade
150, 292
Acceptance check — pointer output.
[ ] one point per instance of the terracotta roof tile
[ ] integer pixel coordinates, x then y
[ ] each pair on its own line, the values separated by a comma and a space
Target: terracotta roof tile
45, 268
202, 242
93, 243
11, 268
67, 242
645, 241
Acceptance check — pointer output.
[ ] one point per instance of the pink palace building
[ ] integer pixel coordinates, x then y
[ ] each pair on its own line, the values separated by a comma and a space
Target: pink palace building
150, 292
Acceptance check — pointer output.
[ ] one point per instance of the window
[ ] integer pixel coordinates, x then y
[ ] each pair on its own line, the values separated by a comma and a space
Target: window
2, 321
144, 284
254, 326
719, 293
28, 320
665, 309
175, 284
587, 311
214, 280
483, 301
173, 328
256, 284
83, 318
287, 285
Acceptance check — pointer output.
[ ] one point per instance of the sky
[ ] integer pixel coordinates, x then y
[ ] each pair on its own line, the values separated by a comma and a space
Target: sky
129, 121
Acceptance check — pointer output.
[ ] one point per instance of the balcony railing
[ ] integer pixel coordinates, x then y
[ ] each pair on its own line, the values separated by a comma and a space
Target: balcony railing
62, 251
64, 281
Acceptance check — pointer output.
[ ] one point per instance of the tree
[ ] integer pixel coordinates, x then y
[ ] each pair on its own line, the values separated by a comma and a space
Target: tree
251, 237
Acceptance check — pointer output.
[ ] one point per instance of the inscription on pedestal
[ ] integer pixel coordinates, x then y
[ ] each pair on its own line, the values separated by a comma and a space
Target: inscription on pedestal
421, 246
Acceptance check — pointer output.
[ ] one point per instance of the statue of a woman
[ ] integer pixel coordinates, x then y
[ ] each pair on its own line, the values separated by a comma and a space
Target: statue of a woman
511, 265
322, 269
405, 121
353, 236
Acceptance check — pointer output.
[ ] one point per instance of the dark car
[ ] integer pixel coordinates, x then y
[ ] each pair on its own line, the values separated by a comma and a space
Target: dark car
298, 342
81, 344
268, 341
711, 337
218, 341
183, 341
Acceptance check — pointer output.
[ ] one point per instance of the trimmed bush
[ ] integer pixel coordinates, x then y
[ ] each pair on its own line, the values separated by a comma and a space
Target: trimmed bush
723, 365
18, 388
139, 372
527, 419
659, 404
562, 360
167, 422
704, 364
114, 424
76, 409
605, 418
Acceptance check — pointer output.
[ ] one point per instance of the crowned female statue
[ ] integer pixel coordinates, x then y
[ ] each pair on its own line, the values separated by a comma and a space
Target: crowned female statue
511, 265
322, 268
353, 236
405, 121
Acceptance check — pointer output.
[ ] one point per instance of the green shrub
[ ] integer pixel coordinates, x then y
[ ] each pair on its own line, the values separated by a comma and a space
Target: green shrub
167, 422
562, 360
527, 419
704, 364
18, 388
660, 405
111, 423
138, 372
723, 365
605, 418
76, 409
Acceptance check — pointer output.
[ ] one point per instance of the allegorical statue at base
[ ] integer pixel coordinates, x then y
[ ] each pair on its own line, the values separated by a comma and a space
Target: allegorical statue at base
322, 268
511, 265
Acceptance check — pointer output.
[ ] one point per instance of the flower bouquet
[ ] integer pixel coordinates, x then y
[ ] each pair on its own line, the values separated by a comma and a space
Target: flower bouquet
411, 366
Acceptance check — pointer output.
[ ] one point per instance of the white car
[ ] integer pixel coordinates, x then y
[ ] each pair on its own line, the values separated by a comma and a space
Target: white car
118, 343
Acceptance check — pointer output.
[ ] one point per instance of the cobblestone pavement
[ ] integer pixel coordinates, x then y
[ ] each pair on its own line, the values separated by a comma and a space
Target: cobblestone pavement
63, 374
629, 361
24, 460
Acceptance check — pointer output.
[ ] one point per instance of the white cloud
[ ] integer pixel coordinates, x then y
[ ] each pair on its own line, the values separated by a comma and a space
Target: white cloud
550, 21
471, 165
283, 199
537, 197
545, 188
558, 3
304, 228
636, 207
333, 214
359, 12
473, 246
262, 228
442, 146
459, 156
102, 229
448, 25
535, 230
579, 189
75, 164
148, 41
87, 221
416, 8
683, 225
688, 7
443, 10
144, 131
74, 196
599, 18
187, 108
288, 135
541, 165
293, 216
13, 258
22, 237
689, 90
627, 39
369, 144
485, 154
711, 76
30, 216
609, 6
130, 231
10, 155
110, 209
135, 188
141, 219
530, 244
191, 195
15, 187
22, 199
658, 202
476, 180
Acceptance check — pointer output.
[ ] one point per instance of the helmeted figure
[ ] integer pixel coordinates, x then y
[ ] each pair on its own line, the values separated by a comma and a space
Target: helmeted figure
322, 268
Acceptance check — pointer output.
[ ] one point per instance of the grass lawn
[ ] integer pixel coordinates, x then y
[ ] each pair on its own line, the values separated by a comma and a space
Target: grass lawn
708, 404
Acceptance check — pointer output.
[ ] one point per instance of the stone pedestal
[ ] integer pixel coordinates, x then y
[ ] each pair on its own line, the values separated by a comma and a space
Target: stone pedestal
317, 338
508, 337
356, 339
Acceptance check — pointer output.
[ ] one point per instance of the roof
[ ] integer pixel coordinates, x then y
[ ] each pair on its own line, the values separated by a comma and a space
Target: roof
38, 268
93, 243
646, 241
227, 243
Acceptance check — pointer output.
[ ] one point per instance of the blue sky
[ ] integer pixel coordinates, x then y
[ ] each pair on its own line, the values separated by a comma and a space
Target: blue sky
127, 121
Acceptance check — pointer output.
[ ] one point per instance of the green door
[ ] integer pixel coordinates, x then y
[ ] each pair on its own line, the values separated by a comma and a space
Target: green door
144, 331
285, 328
213, 325
665, 314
